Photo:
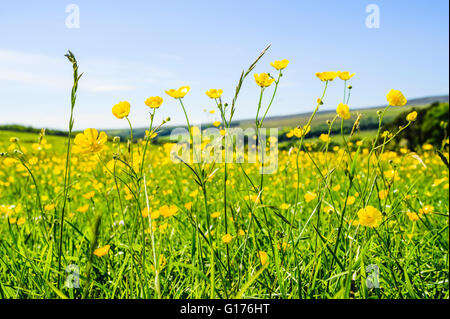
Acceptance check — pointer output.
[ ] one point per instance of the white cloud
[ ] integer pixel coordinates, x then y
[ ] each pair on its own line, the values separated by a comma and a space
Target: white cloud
55, 73
8, 74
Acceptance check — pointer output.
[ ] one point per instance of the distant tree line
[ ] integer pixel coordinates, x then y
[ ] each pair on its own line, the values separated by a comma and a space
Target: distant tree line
29, 129
431, 126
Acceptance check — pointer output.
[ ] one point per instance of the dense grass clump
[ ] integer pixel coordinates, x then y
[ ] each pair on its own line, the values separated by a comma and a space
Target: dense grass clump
340, 216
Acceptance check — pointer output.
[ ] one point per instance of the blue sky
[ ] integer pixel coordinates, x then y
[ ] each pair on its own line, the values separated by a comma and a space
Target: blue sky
130, 50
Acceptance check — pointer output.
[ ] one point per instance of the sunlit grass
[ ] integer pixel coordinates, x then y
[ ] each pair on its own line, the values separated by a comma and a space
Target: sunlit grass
337, 212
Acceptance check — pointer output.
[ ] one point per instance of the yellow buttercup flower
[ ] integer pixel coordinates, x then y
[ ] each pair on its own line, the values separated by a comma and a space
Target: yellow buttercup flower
324, 138
21, 221
426, 209
102, 251
154, 102
83, 209
153, 214
227, 238
343, 111
263, 79
280, 65
413, 216
89, 195
90, 141
215, 215
301, 131
328, 76
151, 134
49, 207
396, 98
178, 93
216, 123
337, 188
172, 93
309, 197
386, 134
214, 94
168, 211
345, 76
283, 246
328, 209
369, 216
383, 194
121, 109
411, 117
263, 257
351, 200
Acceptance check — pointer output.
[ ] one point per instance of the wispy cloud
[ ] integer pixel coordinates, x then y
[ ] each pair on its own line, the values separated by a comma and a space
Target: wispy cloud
104, 76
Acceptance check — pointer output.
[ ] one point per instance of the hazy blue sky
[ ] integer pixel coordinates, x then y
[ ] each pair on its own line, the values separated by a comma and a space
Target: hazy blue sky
130, 50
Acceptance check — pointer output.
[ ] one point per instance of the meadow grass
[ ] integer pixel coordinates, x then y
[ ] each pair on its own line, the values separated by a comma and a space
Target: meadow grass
352, 220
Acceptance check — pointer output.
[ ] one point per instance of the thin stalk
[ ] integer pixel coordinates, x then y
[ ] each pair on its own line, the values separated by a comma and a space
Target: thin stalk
73, 98
131, 141
155, 260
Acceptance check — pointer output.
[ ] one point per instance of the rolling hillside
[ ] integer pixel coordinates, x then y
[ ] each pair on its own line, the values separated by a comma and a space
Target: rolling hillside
369, 120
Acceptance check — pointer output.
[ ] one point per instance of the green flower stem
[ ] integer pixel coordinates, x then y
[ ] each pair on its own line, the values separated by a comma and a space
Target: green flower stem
131, 141
76, 78
152, 116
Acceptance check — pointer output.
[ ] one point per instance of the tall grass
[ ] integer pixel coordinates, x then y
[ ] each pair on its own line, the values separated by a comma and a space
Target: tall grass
332, 222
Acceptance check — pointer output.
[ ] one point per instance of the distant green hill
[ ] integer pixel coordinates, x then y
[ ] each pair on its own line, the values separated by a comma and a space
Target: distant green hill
369, 121
30, 129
